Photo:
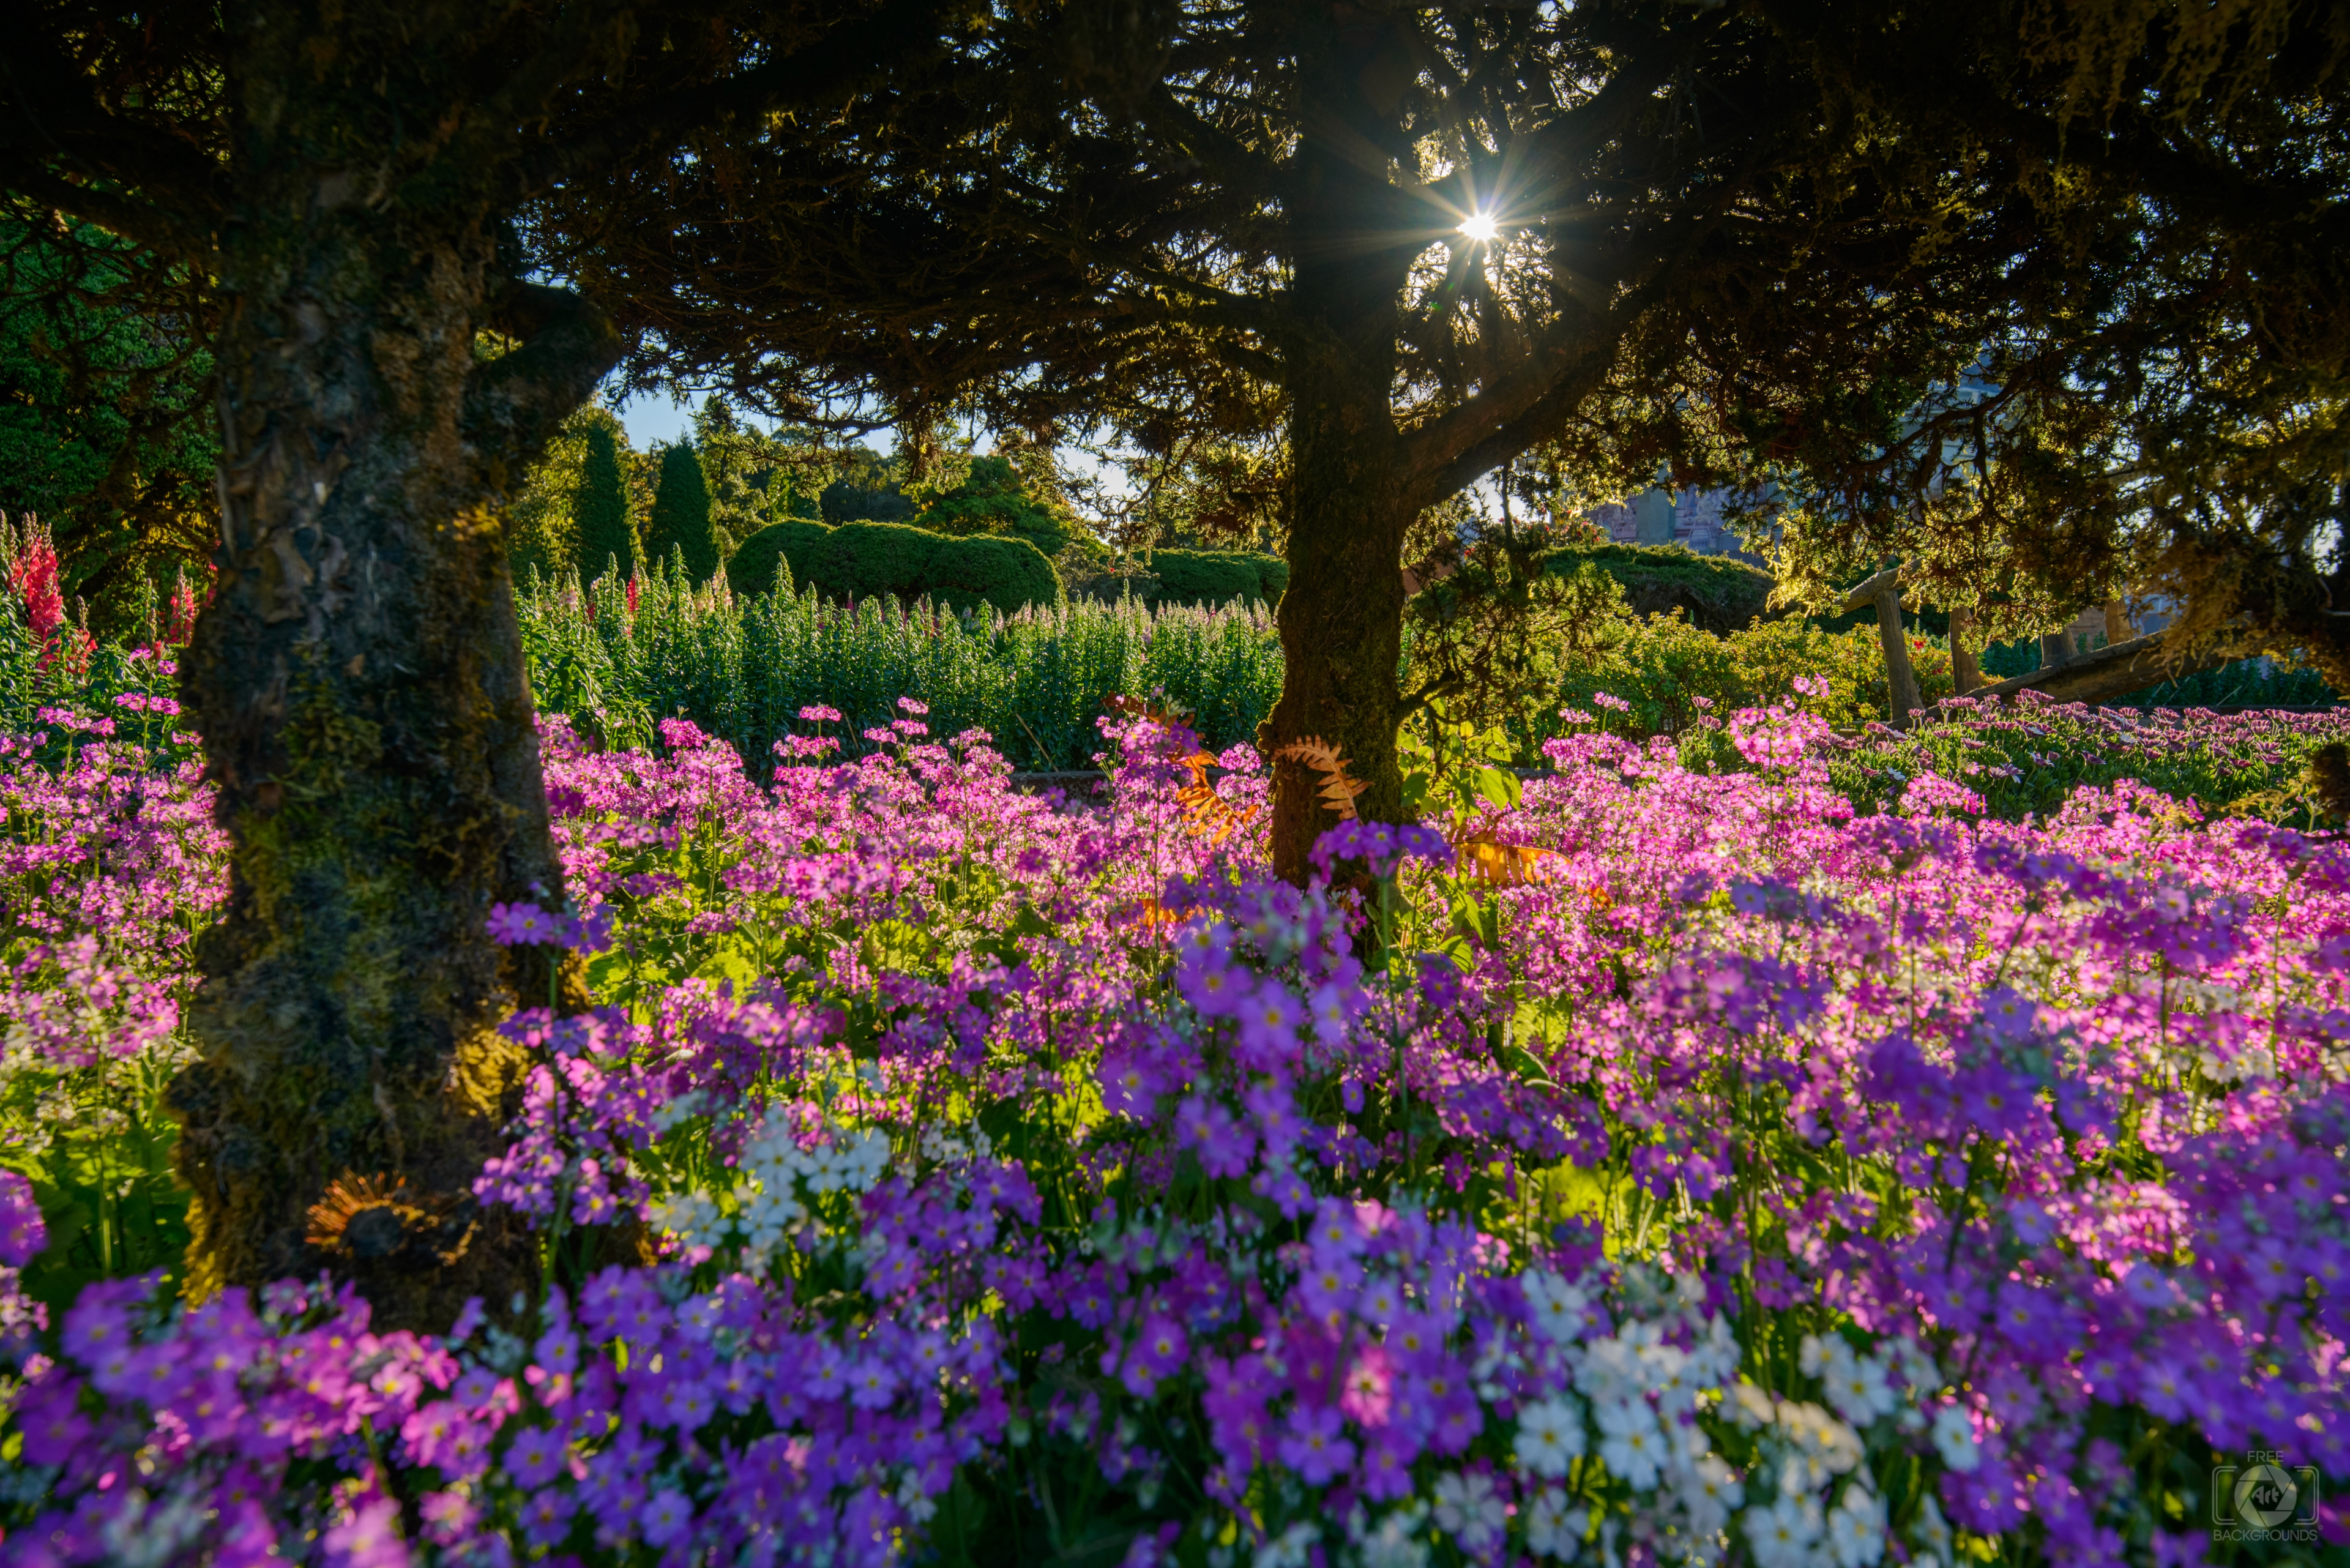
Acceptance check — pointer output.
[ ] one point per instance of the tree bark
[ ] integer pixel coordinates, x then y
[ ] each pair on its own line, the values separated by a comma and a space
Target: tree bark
367, 720
1966, 669
1341, 617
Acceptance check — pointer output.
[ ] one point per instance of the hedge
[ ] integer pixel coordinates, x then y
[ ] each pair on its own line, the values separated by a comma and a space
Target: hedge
876, 560
1718, 592
1215, 578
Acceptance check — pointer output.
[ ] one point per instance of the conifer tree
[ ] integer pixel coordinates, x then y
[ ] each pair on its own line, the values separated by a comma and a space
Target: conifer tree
680, 519
599, 510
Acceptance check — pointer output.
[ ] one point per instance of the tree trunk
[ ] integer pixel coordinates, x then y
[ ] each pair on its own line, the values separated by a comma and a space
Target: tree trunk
1966, 669
359, 686
1341, 617
1901, 679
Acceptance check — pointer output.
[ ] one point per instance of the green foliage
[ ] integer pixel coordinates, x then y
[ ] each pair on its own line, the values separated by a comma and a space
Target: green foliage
680, 515
1718, 592
741, 665
779, 556
861, 561
106, 432
600, 507
994, 499
1218, 576
1007, 574
867, 491
2028, 759
1663, 666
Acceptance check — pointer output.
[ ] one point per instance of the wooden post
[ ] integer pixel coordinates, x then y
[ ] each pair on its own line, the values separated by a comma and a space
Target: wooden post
1966, 671
1883, 592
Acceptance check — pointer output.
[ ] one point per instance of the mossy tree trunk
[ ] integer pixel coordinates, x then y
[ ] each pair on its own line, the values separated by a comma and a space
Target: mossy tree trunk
359, 686
1350, 499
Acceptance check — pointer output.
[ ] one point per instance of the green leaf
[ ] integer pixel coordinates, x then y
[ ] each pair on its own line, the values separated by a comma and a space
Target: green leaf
1499, 787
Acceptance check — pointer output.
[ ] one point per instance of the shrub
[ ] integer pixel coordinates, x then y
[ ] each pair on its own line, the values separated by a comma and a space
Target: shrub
1214, 577
1007, 574
1717, 593
858, 561
1663, 666
743, 664
791, 544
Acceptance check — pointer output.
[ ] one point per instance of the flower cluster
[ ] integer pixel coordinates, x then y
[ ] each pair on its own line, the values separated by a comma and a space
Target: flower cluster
1768, 1181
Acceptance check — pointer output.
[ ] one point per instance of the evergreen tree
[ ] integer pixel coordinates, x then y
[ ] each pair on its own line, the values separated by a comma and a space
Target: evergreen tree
680, 519
599, 510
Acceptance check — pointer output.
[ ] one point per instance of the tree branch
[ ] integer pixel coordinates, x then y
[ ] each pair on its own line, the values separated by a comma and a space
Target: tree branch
141, 223
834, 67
514, 403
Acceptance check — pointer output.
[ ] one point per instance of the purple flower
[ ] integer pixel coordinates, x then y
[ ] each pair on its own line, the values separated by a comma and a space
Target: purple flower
1208, 1130
369, 1538
535, 1457
1211, 984
1314, 1445
23, 1233
519, 925
667, 1517
1269, 1017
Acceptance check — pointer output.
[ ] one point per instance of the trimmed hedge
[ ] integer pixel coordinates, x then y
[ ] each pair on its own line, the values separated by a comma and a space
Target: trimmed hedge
1718, 592
1217, 578
891, 560
792, 541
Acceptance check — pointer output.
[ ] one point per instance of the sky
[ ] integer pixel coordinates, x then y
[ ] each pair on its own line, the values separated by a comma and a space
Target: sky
651, 417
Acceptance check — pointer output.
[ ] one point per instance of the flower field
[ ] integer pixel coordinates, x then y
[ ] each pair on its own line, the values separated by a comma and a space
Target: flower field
1647, 1163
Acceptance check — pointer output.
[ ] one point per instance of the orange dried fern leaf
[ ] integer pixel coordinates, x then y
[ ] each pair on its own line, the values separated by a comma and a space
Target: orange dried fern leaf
1339, 787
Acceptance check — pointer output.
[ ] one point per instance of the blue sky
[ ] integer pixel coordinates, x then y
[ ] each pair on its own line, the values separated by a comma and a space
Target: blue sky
651, 417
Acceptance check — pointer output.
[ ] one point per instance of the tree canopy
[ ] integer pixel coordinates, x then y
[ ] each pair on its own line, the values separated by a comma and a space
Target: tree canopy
2088, 253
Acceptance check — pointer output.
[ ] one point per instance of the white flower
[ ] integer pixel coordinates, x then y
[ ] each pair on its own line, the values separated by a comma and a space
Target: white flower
1749, 1406
1668, 1378
1711, 1493
1558, 1306
1857, 1529
1292, 1548
1468, 1510
1553, 1529
1821, 1447
1784, 1533
1954, 1438
1856, 1384
1933, 1534
1396, 1543
1550, 1436
1630, 1442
